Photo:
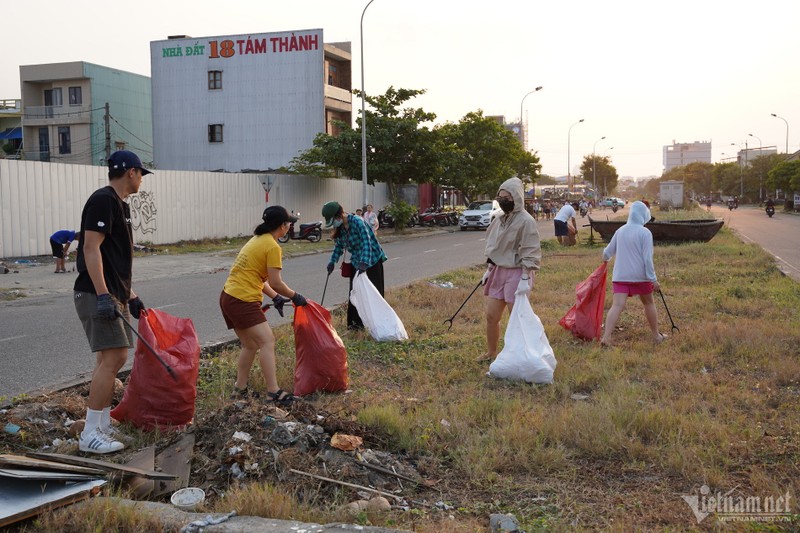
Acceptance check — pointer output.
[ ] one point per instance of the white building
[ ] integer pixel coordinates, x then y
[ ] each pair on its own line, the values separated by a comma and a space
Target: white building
245, 102
681, 154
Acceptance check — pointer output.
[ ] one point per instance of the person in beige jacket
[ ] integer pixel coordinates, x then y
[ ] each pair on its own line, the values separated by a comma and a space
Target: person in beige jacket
513, 253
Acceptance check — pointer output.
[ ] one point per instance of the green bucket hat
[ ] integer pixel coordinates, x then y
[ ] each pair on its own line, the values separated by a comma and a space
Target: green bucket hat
329, 211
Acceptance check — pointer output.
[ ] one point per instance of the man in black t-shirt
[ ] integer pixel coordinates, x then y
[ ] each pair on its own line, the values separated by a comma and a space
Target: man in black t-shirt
102, 290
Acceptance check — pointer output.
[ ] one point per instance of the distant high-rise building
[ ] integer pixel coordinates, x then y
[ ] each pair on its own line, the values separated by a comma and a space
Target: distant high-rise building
681, 154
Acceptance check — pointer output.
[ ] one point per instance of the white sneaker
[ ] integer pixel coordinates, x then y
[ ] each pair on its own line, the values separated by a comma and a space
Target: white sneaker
99, 442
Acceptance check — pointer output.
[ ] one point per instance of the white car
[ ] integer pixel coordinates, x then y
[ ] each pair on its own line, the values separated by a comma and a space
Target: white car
478, 215
608, 202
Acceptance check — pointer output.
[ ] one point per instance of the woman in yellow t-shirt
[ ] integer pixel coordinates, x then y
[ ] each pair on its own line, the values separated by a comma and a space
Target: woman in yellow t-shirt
257, 271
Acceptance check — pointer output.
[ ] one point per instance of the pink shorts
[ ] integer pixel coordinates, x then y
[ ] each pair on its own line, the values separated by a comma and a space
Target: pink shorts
632, 288
502, 283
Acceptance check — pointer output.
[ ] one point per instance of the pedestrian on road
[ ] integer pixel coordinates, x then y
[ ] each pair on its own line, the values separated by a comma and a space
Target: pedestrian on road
352, 234
371, 218
561, 223
60, 242
103, 292
513, 253
708, 203
255, 272
634, 273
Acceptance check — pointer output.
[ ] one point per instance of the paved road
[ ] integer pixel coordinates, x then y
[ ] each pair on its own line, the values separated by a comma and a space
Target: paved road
42, 345
779, 235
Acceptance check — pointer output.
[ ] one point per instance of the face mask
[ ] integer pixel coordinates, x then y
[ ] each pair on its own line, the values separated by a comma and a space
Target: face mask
337, 222
506, 205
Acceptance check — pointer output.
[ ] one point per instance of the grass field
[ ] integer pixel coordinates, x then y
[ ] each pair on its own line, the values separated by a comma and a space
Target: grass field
614, 443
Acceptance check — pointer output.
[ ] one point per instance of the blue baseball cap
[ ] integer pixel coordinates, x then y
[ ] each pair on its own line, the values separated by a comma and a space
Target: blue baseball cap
125, 159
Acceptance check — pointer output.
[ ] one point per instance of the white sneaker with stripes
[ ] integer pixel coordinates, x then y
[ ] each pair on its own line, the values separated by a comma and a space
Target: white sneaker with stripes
98, 442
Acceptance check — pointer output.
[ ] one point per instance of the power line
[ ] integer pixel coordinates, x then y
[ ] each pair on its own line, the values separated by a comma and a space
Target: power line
129, 131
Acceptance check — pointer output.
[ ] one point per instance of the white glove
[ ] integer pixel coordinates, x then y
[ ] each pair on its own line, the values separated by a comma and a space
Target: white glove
485, 277
524, 286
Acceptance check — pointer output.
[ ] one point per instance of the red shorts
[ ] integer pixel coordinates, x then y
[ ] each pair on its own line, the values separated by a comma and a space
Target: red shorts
633, 288
239, 314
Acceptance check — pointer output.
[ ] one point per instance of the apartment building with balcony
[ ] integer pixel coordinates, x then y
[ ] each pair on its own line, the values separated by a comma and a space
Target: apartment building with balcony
64, 112
246, 102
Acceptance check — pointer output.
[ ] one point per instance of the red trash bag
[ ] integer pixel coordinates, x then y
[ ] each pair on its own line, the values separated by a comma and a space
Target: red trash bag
321, 356
152, 399
585, 318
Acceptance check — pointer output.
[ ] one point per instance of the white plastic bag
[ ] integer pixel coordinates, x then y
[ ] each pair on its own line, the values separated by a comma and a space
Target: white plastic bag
527, 354
378, 316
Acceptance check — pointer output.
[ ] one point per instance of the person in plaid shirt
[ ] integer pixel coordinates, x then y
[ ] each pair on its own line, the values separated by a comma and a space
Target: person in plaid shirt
352, 234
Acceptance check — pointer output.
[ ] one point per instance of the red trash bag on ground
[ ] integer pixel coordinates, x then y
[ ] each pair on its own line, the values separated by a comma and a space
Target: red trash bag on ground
585, 318
321, 356
152, 399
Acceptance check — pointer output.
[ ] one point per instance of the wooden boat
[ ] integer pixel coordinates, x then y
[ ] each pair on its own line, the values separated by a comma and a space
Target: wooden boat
702, 230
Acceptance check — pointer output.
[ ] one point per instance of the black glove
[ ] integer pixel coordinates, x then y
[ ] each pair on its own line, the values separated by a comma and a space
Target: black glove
330, 267
278, 302
136, 307
362, 267
298, 300
106, 307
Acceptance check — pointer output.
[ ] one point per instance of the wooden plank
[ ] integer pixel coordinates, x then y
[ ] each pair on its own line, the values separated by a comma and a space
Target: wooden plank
19, 473
103, 465
141, 487
177, 459
20, 461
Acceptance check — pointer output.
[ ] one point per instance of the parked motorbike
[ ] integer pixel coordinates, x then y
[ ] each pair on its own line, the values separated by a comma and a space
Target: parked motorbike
770, 210
385, 220
427, 218
311, 232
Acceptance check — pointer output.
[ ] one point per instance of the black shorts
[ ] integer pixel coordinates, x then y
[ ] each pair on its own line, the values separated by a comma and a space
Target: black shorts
561, 228
58, 249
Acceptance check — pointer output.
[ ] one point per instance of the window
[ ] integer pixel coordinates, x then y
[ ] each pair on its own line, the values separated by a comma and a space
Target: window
64, 144
52, 97
333, 75
44, 140
75, 96
215, 133
214, 80
119, 145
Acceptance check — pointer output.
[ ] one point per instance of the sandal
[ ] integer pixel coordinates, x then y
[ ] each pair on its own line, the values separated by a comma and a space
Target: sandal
243, 394
281, 397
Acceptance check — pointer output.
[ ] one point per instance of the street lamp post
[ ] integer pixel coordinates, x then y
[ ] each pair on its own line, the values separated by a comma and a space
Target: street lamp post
741, 167
760, 195
363, 114
521, 127
594, 165
787, 131
569, 175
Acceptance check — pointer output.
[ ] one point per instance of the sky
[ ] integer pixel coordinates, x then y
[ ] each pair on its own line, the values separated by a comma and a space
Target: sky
641, 74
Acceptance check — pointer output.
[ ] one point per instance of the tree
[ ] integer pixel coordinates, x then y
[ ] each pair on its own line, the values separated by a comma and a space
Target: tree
478, 154
756, 174
399, 148
725, 178
699, 178
784, 176
607, 176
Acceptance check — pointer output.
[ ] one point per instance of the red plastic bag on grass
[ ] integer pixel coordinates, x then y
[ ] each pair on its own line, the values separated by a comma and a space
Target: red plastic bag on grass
321, 356
152, 398
585, 318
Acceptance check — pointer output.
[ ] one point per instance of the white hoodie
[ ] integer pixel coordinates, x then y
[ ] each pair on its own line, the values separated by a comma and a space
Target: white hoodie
633, 246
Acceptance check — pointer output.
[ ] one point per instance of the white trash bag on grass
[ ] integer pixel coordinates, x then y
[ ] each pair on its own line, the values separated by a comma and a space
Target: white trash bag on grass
378, 316
527, 354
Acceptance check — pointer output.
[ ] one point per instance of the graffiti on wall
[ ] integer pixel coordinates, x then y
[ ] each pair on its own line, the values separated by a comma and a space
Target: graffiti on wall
143, 212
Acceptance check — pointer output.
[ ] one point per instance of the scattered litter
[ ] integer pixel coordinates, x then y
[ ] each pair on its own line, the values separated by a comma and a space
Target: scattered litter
198, 525
442, 284
503, 523
11, 429
444, 422
188, 499
444, 506
234, 450
242, 435
346, 443
579, 397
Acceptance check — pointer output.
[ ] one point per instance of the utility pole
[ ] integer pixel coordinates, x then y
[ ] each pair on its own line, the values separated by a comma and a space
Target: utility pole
108, 132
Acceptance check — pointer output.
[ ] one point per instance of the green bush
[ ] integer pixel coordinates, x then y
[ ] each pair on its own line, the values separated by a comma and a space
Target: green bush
401, 212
